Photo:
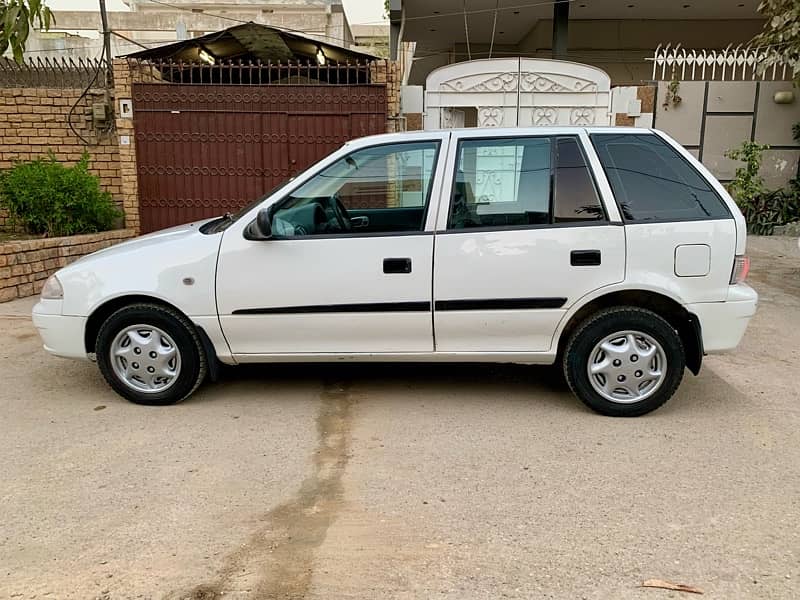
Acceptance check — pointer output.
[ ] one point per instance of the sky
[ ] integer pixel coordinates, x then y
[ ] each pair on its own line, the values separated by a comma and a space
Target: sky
358, 11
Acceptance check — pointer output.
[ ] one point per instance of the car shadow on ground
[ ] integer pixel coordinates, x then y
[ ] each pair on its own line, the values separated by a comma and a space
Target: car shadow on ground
542, 387
493, 381
547, 376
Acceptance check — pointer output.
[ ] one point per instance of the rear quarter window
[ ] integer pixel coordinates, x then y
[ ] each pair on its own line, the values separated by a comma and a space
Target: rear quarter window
652, 182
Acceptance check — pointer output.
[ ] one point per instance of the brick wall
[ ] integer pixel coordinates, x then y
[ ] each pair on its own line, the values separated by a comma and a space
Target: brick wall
388, 72
26, 264
34, 120
127, 152
414, 121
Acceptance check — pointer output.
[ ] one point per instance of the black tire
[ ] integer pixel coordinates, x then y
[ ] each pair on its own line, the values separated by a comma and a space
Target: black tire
588, 334
194, 364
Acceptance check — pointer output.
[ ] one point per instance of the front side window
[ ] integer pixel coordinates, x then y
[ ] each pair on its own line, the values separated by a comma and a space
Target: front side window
652, 182
383, 189
521, 182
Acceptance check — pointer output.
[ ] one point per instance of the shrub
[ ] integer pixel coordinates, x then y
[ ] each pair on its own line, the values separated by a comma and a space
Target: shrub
772, 209
747, 185
51, 199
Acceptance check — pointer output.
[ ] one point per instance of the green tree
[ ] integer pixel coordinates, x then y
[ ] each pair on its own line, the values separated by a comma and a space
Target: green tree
16, 19
780, 38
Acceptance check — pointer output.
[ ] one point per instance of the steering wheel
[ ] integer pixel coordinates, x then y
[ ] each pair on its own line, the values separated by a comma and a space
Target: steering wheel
341, 213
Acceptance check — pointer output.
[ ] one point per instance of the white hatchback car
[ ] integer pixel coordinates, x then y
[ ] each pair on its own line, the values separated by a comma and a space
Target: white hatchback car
610, 250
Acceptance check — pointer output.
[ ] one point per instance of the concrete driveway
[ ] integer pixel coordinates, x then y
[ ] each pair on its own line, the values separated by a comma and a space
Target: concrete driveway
405, 481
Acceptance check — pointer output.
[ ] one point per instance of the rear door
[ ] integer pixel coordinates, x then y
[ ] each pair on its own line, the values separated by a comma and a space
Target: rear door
523, 234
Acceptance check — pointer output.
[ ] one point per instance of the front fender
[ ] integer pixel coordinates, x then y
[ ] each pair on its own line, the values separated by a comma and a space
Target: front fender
178, 269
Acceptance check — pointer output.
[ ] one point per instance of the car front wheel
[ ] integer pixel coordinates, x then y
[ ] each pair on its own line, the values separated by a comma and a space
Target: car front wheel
150, 354
624, 361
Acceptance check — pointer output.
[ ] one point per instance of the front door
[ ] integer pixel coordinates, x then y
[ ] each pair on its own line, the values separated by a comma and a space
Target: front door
526, 235
348, 269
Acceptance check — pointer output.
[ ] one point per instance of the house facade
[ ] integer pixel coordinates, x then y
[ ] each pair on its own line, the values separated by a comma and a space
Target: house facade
616, 36
683, 67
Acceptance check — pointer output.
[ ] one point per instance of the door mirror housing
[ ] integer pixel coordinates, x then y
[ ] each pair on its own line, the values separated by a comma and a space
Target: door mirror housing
261, 228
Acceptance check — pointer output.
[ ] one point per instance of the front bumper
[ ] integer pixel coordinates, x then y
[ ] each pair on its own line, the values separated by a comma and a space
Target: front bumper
723, 323
62, 335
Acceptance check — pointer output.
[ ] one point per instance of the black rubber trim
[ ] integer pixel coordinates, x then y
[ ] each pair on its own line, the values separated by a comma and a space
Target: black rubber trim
443, 305
560, 225
500, 304
338, 308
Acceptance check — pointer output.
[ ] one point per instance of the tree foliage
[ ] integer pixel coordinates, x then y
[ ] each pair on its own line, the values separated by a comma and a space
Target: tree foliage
16, 19
780, 38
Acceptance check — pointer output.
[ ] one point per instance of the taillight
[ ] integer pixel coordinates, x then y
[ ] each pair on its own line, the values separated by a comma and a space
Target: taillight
741, 267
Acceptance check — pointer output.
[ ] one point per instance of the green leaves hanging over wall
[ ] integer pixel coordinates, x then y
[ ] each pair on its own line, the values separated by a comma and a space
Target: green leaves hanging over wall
17, 17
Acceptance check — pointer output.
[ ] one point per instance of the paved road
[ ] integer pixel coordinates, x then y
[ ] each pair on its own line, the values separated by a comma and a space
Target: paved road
401, 481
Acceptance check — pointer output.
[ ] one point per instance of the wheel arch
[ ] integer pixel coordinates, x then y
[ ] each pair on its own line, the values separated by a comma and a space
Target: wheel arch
685, 323
109, 307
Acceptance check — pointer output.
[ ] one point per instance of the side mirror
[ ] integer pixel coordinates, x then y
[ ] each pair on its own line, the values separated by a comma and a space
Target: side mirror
261, 228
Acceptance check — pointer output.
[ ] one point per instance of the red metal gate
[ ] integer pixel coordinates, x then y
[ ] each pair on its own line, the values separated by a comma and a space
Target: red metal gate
202, 150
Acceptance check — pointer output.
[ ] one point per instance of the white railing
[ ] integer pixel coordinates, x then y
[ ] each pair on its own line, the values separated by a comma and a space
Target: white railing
731, 64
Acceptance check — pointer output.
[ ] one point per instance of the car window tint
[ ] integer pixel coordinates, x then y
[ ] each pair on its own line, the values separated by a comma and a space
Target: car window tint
575, 196
501, 182
373, 190
652, 182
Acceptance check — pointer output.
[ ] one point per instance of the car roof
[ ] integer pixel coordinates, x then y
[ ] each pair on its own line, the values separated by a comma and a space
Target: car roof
508, 131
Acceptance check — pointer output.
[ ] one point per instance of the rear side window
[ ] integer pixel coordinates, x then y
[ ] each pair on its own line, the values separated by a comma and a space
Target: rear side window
652, 182
522, 182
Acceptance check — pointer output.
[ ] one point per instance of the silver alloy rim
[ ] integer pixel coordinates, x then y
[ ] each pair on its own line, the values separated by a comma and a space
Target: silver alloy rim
145, 358
627, 367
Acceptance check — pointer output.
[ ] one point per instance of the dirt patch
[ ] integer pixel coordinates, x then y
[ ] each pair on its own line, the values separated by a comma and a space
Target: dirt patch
775, 262
276, 563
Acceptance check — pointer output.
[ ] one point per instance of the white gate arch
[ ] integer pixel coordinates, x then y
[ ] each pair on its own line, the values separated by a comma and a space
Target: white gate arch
518, 92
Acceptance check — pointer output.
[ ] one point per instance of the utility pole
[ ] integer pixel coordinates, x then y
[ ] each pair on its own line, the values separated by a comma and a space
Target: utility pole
106, 40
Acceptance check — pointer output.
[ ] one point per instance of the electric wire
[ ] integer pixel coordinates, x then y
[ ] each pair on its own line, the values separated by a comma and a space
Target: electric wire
466, 30
494, 27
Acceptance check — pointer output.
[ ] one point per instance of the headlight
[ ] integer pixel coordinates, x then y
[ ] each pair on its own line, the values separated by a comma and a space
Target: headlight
52, 289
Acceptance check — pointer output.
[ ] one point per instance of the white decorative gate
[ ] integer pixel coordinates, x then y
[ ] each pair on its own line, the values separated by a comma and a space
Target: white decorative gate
524, 92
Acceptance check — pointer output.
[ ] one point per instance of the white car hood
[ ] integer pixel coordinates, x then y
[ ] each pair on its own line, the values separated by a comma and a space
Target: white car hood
157, 238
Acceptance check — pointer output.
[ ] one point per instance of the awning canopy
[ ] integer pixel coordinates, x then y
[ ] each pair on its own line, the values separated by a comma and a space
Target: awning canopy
253, 42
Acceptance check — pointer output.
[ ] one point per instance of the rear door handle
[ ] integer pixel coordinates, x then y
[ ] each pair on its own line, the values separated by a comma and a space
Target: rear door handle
397, 265
584, 258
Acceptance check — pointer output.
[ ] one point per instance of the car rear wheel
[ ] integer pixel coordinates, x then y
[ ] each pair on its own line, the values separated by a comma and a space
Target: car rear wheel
624, 361
150, 354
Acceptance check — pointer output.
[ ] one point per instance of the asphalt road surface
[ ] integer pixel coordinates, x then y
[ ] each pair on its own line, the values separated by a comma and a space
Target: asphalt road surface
405, 481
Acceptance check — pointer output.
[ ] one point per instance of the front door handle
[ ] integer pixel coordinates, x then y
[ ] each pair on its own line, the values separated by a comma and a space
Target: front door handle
584, 258
397, 265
